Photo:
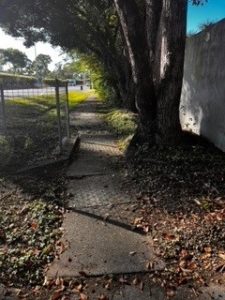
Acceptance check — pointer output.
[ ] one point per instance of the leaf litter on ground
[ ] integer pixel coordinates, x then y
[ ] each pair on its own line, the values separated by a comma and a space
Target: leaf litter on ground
181, 204
30, 229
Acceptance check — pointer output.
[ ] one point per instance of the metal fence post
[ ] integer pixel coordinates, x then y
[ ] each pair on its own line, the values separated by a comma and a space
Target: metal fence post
3, 109
58, 114
67, 112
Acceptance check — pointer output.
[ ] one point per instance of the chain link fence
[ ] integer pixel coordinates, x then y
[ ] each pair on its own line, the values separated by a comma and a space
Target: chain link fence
34, 120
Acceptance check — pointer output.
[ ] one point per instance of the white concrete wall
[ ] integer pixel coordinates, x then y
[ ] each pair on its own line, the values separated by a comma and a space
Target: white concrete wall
203, 96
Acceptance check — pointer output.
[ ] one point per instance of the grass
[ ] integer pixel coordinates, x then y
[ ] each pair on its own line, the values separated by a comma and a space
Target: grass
123, 123
32, 128
77, 97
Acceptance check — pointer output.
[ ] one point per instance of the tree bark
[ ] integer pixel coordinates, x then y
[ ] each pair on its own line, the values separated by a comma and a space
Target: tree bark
156, 44
133, 27
173, 33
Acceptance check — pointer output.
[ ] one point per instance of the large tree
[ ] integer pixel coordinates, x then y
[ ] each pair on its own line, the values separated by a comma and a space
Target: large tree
91, 27
17, 60
142, 38
40, 65
155, 35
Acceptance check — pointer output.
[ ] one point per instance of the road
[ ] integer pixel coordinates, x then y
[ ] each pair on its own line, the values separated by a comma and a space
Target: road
10, 94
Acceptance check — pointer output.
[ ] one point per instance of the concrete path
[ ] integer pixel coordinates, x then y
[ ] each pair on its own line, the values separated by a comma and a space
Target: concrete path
97, 237
97, 247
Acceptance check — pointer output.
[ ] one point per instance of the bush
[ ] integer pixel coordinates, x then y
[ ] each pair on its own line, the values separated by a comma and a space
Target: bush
52, 82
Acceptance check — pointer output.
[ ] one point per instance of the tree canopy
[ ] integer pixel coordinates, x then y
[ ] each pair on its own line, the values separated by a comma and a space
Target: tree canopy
138, 46
15, 58
40, 65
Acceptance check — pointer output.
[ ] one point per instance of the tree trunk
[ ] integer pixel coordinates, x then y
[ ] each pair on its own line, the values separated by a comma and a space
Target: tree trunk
173, 32
133, 27
155, 44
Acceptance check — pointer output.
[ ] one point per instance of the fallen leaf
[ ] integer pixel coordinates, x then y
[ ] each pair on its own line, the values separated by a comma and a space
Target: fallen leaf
83, 296
56, 295
141, 285
208, 249
138, 220
222, 255
34, 226
78, 288
123, 280
149, 265
169, 237
170, 292
136, 281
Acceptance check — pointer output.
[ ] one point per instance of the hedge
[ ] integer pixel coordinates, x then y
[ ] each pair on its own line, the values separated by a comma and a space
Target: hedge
52, 82
10, 81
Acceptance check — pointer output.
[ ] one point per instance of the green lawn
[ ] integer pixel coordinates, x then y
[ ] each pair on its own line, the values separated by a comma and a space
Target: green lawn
32, 128
77, 97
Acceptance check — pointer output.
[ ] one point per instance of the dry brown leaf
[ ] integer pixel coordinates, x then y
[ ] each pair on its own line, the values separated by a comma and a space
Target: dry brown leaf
59, 281
78, 288
34, 226
141, 285
206, 255
208, 249
146, 229
150, 265
136, 281
170, 292
138, 220
56, 295
46, 281
83, 296
222, 255
169, 237
61, 247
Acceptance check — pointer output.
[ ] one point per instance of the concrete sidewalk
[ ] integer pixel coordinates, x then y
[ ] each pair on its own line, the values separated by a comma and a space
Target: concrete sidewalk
98, 235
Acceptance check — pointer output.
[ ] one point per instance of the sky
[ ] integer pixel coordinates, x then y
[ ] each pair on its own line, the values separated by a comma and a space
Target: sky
214, 10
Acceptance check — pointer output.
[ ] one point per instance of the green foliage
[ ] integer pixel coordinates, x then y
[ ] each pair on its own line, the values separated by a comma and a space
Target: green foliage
122, 121
9, 81
124, 124
17, 59
40, 65
53, 82
77, 97
30, 231
88, 27
206, 25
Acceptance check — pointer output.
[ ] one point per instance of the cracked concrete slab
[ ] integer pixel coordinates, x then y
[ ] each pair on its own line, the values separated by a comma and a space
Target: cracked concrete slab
96, 191
98, 248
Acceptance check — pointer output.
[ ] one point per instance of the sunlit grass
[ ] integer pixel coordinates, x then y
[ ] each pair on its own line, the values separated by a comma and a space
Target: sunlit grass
48, 101
123, 123
77, 97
